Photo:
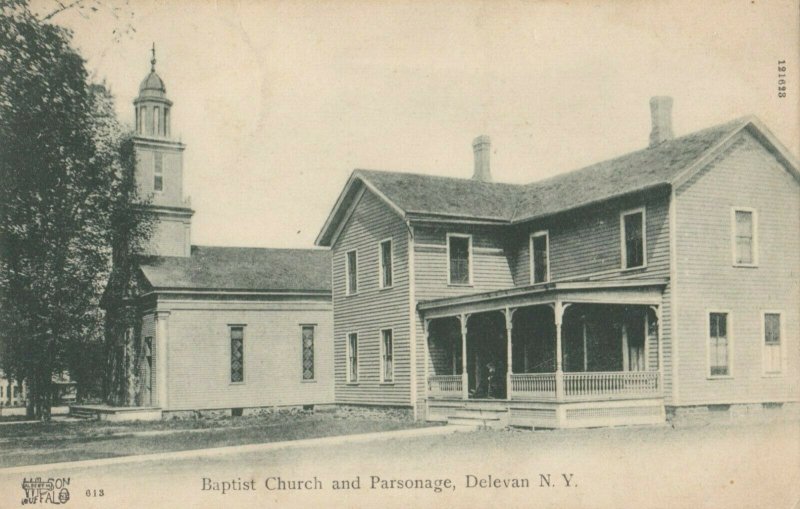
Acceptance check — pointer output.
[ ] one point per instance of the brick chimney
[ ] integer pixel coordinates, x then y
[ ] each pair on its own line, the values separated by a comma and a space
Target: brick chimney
481, 147
661, 115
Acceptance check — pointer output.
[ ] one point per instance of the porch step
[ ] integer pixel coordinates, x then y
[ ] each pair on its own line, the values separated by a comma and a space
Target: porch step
477, 422
476, 415
82, 413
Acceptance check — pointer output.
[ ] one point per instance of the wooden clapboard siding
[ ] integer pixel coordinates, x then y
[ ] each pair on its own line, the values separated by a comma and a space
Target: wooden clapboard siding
587, 242
490, 261
746, 175
372, 308
199, 353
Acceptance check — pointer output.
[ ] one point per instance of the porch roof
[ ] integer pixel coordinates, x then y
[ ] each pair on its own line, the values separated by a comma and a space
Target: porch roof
618, 291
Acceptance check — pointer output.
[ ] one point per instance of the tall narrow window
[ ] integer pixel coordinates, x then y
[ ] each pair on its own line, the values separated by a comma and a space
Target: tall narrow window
744, 237
540, 257
386, 264
308, 352
459, 249
633, 239
237, 354
156, 119
387, 355
719, 345
772, 343
158, 171
166, 122
352, 357
352, 272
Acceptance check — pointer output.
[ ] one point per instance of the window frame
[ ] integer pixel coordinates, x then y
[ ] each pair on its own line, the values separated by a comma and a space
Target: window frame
729, 330
383, 352
546, 235
622, 237
381, 272
348, 290
158, 171
313, 327
754, 242
348, 348
470, 255
232, 326
782, 333
156, 121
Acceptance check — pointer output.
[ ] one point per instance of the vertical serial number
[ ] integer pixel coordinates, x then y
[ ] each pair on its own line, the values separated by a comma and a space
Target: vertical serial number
781, 78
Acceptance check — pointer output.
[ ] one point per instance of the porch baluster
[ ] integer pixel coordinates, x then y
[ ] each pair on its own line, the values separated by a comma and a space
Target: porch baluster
464, 376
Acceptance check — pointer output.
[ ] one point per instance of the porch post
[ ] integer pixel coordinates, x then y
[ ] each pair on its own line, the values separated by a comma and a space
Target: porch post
464, 375
426, 334
558, 311
659, 349
509, 314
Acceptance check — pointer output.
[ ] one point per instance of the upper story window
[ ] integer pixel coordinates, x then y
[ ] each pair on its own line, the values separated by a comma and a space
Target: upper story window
540, 257
634, 248
156, 119
387, 356
237, 354
352, 272
386, 264
719, 351
745, 248
307, 338
773, 359
459, 259
165, 128
352, 357
158, 171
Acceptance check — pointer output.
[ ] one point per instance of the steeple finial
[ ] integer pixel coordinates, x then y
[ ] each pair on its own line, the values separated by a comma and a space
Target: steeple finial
153, 60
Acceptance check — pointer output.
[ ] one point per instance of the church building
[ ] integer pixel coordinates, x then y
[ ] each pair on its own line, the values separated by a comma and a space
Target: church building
223, 329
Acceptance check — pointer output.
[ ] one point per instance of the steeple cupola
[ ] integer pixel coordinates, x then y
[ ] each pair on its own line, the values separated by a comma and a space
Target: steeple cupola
152, 106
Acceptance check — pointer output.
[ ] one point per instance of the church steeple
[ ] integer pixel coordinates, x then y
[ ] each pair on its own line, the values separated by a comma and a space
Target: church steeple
159, 167
152, 106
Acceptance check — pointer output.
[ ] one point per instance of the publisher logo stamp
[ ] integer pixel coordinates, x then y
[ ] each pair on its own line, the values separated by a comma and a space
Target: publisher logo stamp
45, 491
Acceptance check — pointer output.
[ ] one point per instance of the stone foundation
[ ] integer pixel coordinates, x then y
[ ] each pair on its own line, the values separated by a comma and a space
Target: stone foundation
376, 412
732, 413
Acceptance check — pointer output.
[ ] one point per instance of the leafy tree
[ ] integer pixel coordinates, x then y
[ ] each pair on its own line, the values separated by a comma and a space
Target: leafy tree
67, 172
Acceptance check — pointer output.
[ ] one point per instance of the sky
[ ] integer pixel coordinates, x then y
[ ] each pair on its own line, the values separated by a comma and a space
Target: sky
279, 101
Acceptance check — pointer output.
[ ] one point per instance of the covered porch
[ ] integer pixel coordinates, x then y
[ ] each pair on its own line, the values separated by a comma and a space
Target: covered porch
555, 355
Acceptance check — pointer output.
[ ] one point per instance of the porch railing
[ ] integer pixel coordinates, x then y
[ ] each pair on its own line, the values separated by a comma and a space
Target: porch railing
611, 384
533, 385
445, 386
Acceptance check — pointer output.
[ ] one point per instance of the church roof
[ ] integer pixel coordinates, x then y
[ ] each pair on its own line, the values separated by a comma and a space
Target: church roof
212, 268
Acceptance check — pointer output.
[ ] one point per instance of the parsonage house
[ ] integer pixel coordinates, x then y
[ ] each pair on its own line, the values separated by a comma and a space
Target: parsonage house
665, 281
223, 329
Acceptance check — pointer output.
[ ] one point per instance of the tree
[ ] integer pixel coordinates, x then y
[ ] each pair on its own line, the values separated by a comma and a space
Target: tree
66, 168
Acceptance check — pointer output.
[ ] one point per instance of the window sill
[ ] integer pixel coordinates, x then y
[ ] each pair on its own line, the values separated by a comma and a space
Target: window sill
745, 266
308, 381
236, 383
387, 383
352, 384
461, 285
351, 294
720, 377
773, 375
631, 269
386, 287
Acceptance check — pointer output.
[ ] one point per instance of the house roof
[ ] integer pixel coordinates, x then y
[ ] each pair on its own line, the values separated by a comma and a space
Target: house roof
425, 196
241, 268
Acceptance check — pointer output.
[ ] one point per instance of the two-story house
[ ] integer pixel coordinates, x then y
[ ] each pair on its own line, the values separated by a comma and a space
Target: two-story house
665, 280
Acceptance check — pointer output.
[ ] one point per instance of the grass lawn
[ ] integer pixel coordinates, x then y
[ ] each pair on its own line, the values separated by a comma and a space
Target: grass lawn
57, 441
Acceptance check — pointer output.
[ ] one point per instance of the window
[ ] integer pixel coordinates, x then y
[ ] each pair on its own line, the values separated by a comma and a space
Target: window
158, 171
308, 352
459, 252
744, 237
633, 239
352, 272
386, 264
719, 345
772, 343
387, 355
166, 121
237, 354
540, 257
156, 118
352, 357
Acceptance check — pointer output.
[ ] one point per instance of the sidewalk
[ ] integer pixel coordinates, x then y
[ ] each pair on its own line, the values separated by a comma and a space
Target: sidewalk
239, 449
